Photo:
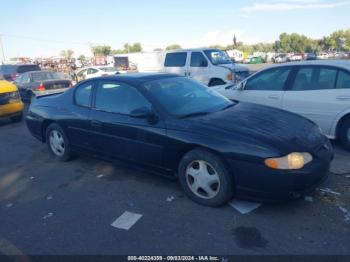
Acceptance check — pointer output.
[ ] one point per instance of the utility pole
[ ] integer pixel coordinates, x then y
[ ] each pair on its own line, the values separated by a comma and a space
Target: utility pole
2, 49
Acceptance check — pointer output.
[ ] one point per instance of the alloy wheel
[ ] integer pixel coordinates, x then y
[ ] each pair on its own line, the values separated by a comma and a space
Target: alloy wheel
57, 143
202, 179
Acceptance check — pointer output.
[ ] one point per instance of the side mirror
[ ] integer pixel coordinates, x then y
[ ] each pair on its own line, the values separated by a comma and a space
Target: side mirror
142, 112
241, 86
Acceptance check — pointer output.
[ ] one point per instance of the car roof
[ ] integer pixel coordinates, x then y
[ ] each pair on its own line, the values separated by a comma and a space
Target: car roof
192, 49
345, 64
139, 77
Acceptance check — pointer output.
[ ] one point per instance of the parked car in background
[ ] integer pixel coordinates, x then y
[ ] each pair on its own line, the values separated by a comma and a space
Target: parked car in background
256, 60
11, 72
318, 90
212, 67
322, 55
11, 105
295, 57
38, 83
174, 126
94, 71
281, 58
311, 56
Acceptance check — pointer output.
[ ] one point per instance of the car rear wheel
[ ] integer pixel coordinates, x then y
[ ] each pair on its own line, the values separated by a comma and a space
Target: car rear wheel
205, 179
344, 134
58, 142
17, 118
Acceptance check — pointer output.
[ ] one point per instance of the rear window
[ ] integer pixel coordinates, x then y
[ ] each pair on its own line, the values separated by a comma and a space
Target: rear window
41, 76
175, 59
27, 68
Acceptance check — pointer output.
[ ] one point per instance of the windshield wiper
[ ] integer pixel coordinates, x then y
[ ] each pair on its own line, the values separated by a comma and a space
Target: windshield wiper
195, 114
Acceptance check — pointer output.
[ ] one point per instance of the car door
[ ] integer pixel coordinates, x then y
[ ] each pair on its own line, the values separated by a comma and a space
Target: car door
266, 87
199, 67
313, 94
77, 122
176, 63
118, 134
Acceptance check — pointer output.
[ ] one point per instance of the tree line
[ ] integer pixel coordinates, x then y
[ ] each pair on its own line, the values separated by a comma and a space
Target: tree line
337, 41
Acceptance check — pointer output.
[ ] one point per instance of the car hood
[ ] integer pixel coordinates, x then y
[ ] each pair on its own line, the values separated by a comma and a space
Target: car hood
235, 67
263, 126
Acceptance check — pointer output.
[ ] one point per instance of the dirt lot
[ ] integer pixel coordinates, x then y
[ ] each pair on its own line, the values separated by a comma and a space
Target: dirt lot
50, 207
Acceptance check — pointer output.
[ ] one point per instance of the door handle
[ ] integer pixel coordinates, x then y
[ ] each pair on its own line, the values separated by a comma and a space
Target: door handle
276, 97
96, 123
189, 73
185, 73
343, 98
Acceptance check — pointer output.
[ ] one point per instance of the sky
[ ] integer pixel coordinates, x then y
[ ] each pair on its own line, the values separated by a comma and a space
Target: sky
41, 28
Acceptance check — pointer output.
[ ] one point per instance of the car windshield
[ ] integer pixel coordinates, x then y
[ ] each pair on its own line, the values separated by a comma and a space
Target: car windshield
41, 76
108, 69
218, 57
182, 97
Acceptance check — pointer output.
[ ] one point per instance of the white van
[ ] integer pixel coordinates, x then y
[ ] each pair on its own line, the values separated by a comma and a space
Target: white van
210, 66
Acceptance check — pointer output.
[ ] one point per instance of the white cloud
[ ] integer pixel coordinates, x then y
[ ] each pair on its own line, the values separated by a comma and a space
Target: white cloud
288, 5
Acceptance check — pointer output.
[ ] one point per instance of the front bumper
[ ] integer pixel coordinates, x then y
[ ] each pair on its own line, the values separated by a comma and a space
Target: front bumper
11, 109
256, 182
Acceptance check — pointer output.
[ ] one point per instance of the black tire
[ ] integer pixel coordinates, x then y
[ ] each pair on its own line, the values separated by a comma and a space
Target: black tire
226, 189
66, 152
344, 134
17, 118
216, 82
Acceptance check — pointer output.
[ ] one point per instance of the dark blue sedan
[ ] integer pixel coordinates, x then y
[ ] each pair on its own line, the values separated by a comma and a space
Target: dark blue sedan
171, 125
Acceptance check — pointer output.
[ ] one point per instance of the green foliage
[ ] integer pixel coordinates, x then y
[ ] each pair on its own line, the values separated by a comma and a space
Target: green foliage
67, 53
82, 58
129, 48
173, 47
337, 41
101, 50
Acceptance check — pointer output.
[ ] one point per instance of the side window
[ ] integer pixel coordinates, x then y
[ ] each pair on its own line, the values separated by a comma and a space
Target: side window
119, 98
83, 94
198, 60
303, 79
343, 80
81, 73
25, 79
327, 77
273, 79
315, 78
91, 71
19, 79
175, 59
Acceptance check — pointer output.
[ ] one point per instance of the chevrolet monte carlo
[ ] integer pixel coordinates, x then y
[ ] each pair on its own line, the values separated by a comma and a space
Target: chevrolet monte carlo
174, 126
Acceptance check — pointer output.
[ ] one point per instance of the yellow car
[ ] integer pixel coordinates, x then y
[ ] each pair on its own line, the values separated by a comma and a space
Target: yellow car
10, 102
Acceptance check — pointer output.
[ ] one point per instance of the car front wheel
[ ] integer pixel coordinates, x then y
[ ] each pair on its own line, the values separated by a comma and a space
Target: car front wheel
344, 134
205, 179
58, 142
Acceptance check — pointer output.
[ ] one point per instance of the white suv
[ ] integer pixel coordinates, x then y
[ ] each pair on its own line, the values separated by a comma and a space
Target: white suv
318, 90
212, 67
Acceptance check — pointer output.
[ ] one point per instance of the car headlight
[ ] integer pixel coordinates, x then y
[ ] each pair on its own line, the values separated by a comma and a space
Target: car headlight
293, 160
